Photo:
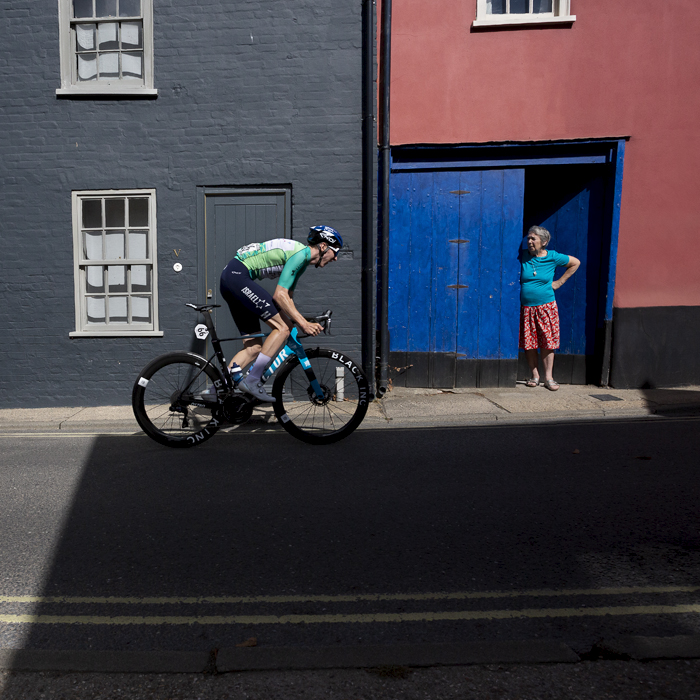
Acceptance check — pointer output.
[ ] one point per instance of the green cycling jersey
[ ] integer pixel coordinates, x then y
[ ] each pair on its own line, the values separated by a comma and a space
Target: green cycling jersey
280, 257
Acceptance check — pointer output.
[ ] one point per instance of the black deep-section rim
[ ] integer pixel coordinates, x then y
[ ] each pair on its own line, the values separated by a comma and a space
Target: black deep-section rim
175, 380
329, 420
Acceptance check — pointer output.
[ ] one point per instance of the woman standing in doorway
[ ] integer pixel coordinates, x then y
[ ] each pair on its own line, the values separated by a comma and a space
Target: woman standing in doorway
539, 316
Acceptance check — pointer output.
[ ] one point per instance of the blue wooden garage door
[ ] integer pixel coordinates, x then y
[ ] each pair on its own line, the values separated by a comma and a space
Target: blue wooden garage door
454, 276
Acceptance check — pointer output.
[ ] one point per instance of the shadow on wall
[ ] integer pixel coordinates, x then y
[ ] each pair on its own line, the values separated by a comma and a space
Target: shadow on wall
656, 347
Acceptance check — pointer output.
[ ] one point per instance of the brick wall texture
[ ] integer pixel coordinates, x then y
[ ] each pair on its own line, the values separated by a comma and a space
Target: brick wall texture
249, 94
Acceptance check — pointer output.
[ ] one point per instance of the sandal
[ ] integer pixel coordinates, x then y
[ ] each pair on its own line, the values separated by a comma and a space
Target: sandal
532, 382
550, 384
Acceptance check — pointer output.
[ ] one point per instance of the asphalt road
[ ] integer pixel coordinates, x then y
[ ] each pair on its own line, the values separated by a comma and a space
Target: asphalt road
566, 532
600, 680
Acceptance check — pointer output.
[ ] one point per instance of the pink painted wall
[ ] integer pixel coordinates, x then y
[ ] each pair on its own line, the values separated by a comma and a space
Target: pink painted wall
624, 68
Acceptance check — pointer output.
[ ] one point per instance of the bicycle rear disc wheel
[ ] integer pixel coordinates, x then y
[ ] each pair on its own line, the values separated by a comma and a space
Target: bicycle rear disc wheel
167, 400
321, 420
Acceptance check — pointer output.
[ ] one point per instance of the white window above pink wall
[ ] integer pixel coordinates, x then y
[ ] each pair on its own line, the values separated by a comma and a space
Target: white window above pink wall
491, 13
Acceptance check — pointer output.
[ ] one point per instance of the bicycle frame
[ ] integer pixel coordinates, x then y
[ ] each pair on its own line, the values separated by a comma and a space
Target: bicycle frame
292, 347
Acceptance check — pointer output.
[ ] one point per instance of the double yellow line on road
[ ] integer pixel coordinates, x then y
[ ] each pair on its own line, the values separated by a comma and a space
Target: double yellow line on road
348, 618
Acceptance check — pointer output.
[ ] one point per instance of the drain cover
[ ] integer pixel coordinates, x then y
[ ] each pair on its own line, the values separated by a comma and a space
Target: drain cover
606, 397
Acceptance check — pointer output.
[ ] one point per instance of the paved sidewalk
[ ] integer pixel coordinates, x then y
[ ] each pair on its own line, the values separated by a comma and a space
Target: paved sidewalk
411, 408
432, 407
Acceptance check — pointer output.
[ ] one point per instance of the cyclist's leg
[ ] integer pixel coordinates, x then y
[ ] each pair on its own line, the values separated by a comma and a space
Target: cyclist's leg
246, 322
249, 353
278, 337
247, 302
272, 345
254, 347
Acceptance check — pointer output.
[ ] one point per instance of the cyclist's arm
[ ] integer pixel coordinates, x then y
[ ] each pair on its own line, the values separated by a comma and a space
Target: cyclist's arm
293, 269
284, 302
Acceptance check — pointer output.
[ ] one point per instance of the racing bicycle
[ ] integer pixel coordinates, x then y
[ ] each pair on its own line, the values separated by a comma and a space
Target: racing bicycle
181, 399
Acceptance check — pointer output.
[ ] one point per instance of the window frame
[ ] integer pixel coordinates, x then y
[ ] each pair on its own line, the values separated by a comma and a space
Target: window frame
82, 328
561, 14
70, 86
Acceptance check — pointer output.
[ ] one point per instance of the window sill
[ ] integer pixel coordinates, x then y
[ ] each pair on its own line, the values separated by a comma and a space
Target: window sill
519, 20
115, 334
107, 90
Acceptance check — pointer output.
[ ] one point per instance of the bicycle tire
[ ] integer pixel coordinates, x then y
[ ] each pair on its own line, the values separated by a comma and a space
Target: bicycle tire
175, 379
321, 422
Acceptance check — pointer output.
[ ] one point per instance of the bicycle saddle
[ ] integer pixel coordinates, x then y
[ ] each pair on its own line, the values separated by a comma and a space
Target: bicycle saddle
205, 307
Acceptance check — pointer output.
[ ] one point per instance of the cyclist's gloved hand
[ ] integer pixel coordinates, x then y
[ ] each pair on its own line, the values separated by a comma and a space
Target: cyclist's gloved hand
311, 328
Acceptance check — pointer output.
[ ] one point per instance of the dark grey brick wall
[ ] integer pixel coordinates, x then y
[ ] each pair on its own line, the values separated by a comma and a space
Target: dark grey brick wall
250, 93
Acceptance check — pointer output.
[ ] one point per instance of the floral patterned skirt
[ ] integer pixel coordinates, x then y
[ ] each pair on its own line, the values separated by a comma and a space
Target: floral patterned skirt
539, 327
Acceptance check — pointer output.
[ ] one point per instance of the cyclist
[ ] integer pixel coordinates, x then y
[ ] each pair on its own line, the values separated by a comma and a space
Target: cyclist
249, 302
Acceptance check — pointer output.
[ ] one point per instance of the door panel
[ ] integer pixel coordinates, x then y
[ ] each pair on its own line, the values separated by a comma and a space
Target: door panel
232, 221
453, 278
401, 198
513, 202
421, 264
446, 270
470, 206
489, 267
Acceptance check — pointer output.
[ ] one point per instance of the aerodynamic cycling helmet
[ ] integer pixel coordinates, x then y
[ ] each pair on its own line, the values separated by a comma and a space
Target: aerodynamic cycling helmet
325, 234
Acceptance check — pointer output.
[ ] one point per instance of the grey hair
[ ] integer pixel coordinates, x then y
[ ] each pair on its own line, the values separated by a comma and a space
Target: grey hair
544, 235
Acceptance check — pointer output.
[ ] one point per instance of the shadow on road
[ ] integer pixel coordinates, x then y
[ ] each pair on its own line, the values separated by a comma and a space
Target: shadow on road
672, 401
384, 512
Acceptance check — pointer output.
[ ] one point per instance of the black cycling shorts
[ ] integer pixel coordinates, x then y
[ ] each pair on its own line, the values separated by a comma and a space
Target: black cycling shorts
247, 301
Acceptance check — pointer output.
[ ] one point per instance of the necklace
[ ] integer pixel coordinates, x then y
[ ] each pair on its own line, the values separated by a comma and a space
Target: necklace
532, 263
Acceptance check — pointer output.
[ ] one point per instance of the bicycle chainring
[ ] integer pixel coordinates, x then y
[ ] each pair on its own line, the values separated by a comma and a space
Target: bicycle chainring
236, 409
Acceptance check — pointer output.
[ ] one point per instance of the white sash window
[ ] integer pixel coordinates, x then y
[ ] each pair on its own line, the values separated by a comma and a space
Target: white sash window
114, 243
511, 12
106, 47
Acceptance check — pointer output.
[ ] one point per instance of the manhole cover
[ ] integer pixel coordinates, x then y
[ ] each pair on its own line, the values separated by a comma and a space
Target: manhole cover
606, 397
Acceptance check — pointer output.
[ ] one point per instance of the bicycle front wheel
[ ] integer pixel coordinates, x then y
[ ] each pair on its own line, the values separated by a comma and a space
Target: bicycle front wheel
323, 419
168, 403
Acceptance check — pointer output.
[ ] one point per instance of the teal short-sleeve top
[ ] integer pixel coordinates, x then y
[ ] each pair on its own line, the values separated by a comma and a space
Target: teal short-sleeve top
537, 275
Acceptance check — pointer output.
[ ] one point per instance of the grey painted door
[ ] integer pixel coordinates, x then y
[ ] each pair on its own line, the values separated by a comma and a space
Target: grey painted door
232, 221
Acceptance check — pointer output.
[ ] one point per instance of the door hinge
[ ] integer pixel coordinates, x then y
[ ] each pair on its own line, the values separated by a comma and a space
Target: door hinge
457, 286
459, 240
458, 192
